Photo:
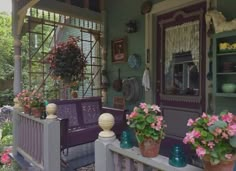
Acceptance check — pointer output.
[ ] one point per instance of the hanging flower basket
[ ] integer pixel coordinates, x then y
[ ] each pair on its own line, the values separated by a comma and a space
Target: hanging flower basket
67, 61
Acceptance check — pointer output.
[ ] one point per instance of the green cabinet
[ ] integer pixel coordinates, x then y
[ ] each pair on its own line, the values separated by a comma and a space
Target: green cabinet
224, 64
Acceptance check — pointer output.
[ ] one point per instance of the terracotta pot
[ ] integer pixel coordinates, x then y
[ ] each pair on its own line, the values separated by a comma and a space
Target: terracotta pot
36, 112
26, 110
150, 147
222, 166
74, 94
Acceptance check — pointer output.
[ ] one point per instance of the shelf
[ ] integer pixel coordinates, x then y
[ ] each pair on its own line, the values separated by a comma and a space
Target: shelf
226, 73
226, 94
226, 53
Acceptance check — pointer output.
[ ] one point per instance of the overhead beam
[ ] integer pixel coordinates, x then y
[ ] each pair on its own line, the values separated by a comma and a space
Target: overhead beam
69, 10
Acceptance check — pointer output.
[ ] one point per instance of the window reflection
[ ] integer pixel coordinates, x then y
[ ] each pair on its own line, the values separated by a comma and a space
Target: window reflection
182, 76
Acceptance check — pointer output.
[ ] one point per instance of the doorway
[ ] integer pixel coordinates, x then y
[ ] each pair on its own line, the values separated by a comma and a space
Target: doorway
181, 66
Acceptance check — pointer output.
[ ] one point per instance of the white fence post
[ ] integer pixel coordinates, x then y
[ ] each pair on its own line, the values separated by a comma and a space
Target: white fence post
103, 156
51, 136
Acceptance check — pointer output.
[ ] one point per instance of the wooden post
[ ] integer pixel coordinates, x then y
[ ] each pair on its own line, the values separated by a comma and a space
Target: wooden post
17, 68
52, 145
103, 156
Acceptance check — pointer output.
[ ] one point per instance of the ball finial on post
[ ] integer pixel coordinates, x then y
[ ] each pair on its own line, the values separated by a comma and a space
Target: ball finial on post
106, 122
51, 110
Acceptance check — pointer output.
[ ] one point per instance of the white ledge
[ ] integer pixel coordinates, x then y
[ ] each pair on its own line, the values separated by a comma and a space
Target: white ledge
159, 162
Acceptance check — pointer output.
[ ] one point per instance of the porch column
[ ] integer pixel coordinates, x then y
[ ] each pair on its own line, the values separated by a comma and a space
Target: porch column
17, 68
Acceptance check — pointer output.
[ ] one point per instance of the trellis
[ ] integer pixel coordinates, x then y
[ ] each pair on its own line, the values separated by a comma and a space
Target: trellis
45, 29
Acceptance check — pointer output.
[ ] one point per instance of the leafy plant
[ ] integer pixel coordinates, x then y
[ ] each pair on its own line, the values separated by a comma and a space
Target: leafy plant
147, 122
67, 61
213, 137
30, 99
6, 128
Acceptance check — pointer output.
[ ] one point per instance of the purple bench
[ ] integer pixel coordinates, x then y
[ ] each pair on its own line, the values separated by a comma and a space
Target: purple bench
79, 120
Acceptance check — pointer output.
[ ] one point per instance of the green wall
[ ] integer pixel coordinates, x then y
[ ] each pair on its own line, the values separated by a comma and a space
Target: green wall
118, 13
228, 9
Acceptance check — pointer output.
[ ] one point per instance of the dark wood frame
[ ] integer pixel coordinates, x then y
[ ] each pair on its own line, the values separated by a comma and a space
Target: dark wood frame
119, 50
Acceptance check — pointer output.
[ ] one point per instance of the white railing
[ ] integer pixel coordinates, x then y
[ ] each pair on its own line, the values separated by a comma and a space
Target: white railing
109, 156
38, 141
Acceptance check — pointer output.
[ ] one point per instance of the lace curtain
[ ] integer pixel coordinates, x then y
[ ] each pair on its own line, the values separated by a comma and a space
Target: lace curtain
182, 38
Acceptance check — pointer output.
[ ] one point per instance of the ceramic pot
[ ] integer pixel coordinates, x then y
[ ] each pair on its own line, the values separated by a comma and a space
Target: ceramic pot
150, 147
36, 112
222, 166
74, 94
26, 110
227, 165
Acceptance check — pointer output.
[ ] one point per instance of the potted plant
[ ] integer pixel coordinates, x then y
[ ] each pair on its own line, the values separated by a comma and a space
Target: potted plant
36, 103
149, 127
24, 99
67, 61
214, 139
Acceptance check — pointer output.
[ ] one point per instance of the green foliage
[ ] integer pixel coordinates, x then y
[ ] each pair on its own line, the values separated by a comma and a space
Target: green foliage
6, 97
217, 124
7, 140
6, 47
213, 137
232, 141
6, 128
147, 122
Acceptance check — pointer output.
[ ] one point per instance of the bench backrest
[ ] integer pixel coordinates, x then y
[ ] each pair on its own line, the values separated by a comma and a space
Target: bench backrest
80, 113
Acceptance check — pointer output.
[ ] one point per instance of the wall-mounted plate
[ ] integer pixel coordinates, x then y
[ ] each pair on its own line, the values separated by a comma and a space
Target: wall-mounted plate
134, 61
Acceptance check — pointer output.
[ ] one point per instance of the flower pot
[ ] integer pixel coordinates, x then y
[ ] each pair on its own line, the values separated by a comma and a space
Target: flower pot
36, 112
222, 166
26, 109
149, 147
74, 94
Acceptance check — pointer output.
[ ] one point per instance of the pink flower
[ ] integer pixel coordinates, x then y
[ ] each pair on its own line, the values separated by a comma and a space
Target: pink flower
228, 156
200, 151
190, 137
133, 115
155, 108
143, 105
211, 145
232, 130
204, 115
135, 109
227, 117
218, 131
196, 134
224, 135
145, 110
159, 118
212, 120
5, 159
190, 122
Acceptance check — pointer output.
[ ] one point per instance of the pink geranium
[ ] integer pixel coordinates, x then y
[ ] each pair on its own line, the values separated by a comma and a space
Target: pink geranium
147, 122
213, 136
200, 151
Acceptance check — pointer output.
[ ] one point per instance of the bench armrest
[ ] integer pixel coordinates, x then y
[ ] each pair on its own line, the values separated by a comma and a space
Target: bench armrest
64, 126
